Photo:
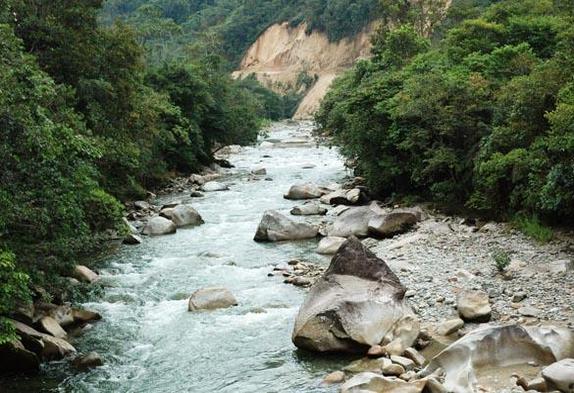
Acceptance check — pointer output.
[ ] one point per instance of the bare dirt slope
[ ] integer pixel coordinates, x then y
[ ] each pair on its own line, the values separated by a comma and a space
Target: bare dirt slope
282, 54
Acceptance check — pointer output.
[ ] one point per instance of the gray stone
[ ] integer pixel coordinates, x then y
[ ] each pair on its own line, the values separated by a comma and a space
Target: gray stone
560, 375
183, 216
214, 186
449, 327
310, 209
391, 224
276, 227
84, 274
211, 299
330, 245
158, 226
305, 191
88, 361
473, 305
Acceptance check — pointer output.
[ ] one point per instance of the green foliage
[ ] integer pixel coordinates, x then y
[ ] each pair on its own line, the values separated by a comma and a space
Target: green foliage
481, 118
13, 288
532, 227
501, 260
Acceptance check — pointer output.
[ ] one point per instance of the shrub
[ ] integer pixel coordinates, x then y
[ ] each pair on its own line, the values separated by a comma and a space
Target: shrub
532, 227
501, 260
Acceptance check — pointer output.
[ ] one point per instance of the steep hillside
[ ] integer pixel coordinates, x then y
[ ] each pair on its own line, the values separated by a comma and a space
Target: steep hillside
286, 58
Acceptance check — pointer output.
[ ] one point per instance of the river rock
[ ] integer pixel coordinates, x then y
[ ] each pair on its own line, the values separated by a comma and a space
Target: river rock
391, 224
304, 191
356, 304
14, 358
214, 186
132, 239
337, 197
464, 359
85, 274
560, 375
376, 383
88, 361
143, 205
48, 347
85, 316
211, 299
260, 171
310, 209
334, 377
330, 245
51, 326
473, 305
275, 227
158, 226
183, 216
354, 221
449, 327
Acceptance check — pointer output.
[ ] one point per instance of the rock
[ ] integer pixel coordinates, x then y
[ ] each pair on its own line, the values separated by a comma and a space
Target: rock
171, 205
276, 227
330, 245
211, 299
376, 351
415, 356
449, 327
367, 365
14, 358
85, 316
84, 274
133, 230
537, 384
434, 386
88, 361
473, 305
353, 196
393, 370
266, 145
143, 205
132, 239
260, 171
518, 297
337, 197
371, 382
158, 226
407, 363
529, 312
561, 266
214, 186
309, 209
50, 325
356, 304
391, 224
334, 378
305, 191
464, 359
560, 375
354, 221
183, 216
196, 194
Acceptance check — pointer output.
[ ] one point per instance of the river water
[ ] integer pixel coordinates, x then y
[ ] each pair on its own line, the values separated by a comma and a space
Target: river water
149, 340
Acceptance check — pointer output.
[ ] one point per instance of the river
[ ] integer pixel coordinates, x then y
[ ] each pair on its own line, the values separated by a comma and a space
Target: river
149, 340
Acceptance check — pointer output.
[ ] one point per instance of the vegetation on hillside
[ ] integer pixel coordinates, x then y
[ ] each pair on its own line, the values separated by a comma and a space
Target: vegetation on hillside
478, 115
85, 124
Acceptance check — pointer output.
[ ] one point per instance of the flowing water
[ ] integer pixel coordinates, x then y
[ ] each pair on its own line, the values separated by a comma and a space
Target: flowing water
151, 343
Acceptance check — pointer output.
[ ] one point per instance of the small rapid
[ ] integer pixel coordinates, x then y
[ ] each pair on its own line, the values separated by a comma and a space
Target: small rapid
151, 343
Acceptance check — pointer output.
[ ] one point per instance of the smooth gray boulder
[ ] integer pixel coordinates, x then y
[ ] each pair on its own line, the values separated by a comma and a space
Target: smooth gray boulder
84, 274
358, 303
560, 375
499, 346
391, 224
214, 186
473, 305
309, 209
275, 227
211, 299
330, 245
305, 191
354, 221
88, 361
183, 216
158, 226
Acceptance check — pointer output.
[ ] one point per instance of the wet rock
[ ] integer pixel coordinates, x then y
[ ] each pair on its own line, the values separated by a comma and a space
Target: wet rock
50, 325
158, 226
143, 205
14, 358
88, 361
259, 171
84, 274
276, 227
214, 186
354, 221
334, 378
473, 305
309, 209
211, 299
84, 316
376, 383
304, 191
560, 375
196, 194
356, 304
450, 327
183, 216
463, 360
132, 239
330, 245
389, 225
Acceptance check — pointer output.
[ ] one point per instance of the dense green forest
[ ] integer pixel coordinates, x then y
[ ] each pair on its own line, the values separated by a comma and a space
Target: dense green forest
86, 124
478, 115
170, 27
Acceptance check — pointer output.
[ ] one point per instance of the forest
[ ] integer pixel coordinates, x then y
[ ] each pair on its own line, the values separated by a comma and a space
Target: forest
475, 115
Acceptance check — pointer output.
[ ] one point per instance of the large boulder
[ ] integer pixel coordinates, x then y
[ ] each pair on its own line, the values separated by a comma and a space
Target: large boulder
182, 216
211, 299
560, 375
14, 358
84, 274
275, 227
305, 191
214, 186
499, 346
358, 303
158, 226
330, 245
389, 225
354, 221
48, 347
309, 209
473, 305
88, 361
344, 197
52, 327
